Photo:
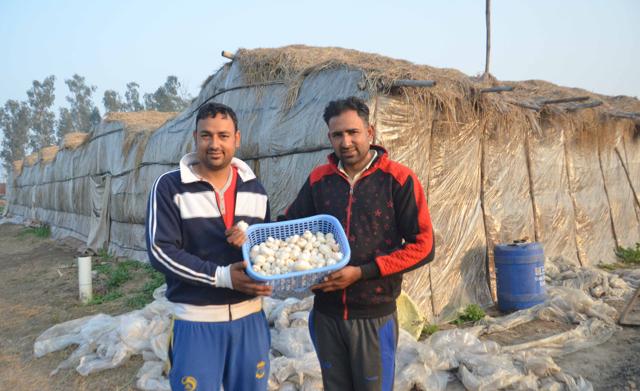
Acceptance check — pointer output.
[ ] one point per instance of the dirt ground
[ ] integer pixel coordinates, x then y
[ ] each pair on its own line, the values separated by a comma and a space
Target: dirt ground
38, 289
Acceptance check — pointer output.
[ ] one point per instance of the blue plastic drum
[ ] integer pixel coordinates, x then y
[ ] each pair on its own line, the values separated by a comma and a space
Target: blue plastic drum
519, 275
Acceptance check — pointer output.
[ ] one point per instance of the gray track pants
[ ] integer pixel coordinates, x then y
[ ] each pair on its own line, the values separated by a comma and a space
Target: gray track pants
356, 354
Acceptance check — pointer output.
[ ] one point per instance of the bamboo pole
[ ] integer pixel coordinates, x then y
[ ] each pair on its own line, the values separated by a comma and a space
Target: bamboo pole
488, 52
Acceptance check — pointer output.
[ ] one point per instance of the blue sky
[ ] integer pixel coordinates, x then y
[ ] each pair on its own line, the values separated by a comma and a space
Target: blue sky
592, 44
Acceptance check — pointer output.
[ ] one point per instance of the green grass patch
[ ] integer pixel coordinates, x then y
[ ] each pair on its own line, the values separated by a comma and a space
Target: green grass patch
472, 313
105, 298
145, 296
139, 279
43, 231
429, 329
104, 254
627, 257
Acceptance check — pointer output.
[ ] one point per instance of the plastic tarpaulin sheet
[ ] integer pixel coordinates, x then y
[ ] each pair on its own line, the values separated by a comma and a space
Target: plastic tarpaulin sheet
553, 208
631, 161
405, 131
506, 194
458, 274
619, 192
101, 222
594, 237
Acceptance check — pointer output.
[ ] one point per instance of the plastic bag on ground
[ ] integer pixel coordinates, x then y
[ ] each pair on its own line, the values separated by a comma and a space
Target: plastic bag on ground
76, 331
292, 342
150, 377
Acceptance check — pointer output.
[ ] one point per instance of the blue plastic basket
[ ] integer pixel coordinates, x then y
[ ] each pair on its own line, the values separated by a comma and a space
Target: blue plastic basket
296, 284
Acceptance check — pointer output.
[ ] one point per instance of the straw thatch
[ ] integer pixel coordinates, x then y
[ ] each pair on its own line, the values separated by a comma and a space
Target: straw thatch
74, 140
17, 166
47, 154
138, 127
31, 159
138, 121
455, 94
292, 64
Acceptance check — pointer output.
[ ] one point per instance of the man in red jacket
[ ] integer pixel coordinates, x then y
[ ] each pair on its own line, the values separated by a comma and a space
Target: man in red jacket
384, 212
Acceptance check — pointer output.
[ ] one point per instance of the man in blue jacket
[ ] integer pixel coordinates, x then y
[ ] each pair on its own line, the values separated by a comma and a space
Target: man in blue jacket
220, 335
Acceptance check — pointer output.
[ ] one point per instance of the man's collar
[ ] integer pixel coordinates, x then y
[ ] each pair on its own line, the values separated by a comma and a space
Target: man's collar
188, 176
365, 168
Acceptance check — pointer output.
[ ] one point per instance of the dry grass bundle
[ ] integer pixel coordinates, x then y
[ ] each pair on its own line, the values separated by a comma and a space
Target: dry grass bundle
138, 121
74, 140
139, 126
31, 159
17, 166
47, 154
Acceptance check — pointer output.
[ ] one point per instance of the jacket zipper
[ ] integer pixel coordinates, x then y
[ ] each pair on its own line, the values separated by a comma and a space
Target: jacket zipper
345, 313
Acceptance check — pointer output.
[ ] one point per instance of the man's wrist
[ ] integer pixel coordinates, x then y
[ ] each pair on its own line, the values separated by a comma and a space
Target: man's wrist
223, 277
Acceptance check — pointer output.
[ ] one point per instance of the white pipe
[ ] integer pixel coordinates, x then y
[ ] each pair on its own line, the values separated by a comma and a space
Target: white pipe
84, 279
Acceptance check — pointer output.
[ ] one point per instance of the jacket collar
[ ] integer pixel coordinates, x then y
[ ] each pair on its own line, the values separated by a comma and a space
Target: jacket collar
382, 155
188, 176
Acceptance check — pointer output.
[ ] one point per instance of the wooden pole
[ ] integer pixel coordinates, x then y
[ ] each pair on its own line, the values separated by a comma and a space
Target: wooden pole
496, 89
227, 54
564, 100
488, 17
413, 83
589, 105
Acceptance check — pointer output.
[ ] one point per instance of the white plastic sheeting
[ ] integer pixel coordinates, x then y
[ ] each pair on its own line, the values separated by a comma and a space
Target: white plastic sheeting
552, 205
594, 237
105, 342
622, 200
506, 193
458, 273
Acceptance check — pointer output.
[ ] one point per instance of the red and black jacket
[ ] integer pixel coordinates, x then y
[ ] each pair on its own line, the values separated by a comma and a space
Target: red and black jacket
386, 218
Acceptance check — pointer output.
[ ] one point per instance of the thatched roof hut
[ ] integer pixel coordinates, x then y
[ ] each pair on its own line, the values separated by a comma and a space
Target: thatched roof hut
553, 164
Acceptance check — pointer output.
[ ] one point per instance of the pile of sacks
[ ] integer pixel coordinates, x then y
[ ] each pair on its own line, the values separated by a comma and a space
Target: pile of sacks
574, 297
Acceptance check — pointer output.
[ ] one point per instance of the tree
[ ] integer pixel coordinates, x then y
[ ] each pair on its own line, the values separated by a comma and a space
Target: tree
65, 122
14, 122
167, 97
41, 97
83, 111
112, 101
133, 97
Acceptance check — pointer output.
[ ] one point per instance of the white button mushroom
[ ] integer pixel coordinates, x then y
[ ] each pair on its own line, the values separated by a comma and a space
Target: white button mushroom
242, 225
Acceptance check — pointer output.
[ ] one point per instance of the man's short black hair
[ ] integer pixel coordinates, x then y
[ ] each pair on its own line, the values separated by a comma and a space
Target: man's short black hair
337, 107
212, 109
